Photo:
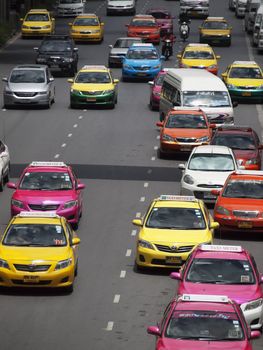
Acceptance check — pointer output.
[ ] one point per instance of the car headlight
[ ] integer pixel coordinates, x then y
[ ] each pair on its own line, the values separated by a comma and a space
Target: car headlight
252, 161
17, 203
188, 179
228, 35
62, 264
253, 304
4, 264
73, 91
126, 66
203, 139
166, 137
41, 59
46, 27
68, 59
43, 92
70, 204
213, 66
157, 67
145, 244
106, 92
8, 92
231, 86
221, 210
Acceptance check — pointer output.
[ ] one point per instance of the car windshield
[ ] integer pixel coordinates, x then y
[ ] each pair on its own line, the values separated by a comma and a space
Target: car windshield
215, 25
159, 80
50, 181
211, 162
142, 54
125, 43
37, 17
211, 99
186, 121
86, 22
27, 76
220, 271
38, 235
160, 15
143, 23
245, 73
244, 189
93, 78
70, 1
243, 142
204, 325
199, 55
176, 218
55, 45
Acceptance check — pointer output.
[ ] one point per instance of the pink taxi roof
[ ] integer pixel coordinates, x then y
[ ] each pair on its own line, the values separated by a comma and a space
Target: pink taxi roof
220, 255
204, 306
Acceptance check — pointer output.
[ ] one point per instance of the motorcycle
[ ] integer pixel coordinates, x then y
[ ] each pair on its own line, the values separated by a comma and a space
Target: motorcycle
184, 31
167, 49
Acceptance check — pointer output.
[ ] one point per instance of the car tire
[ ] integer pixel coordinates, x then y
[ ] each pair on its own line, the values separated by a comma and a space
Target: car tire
7, 175
110, 65
161, 154
1, 183
76, 269
73, 105
138, 268
69, 289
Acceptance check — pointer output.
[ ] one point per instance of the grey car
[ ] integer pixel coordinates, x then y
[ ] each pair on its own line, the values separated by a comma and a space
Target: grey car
119, 50
30, 85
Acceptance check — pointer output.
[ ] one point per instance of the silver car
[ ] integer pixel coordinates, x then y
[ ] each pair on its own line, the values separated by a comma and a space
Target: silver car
70, 8
31, 85
121, 7
119, 50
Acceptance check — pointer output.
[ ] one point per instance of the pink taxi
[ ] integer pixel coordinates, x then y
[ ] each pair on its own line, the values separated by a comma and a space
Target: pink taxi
195, 321
225, 269
48, 186
156, 87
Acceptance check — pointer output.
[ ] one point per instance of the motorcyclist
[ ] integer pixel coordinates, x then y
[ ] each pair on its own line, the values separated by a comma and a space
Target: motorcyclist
183, 17
171, 37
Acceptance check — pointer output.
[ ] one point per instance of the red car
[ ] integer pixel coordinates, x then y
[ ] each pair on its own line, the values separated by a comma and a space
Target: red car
156, 87
244, 142
163, 18
145, 27
199, 321
48, 186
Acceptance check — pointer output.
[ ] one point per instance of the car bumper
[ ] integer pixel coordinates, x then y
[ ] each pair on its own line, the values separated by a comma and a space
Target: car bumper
134, 74
40, 32
195, 12
199, 192
154, 39
118, 10
55, 64
171, 147
87, 37
244, 94
93, 99
231, 223
13, 100
254, 317
116, 60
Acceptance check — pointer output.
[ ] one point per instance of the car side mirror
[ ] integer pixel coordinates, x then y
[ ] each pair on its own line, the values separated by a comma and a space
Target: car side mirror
21, 19
179, 56
80, 187
176, 276
261, 279
154, 330
214, 225
235, 104
151, 82
224, 75
111, 46
36, 49
70, 24
11, 185
76, 49
52, 19
255, 334
217, 57
115, 81
126, 25
181, 166
75, 241
102, 24
70, 80
51, 79
137, 222
160, 124
5, 79
215, 192
162, 58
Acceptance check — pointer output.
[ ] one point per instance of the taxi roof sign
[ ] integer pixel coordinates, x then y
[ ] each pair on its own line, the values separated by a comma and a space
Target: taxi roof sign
221, 248
205, 298
198, 45
37, 214
197, 109
58, 164
215, 18
171, 197
244, 62
142, 45
91, 67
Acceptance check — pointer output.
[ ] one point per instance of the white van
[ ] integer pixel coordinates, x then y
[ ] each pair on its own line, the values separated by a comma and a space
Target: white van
190, 87
257, 25
250, 14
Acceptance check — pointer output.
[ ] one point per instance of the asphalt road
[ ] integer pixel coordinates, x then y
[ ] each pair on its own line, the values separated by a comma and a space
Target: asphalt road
114, 152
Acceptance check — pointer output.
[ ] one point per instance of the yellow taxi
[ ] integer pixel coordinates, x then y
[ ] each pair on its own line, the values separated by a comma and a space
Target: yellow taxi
93, 85
244, 80
200, 56
215, 30
38, 250
37, 22
171, 229
87, 27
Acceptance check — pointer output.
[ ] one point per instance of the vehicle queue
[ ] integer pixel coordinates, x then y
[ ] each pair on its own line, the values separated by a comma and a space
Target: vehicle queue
47, 197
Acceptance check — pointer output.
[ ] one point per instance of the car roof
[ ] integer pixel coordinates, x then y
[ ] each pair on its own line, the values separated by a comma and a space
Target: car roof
158, 9
143, 16
37, 217
212, 149
186, 110
57, 37
204, 306
220, 252
130, 38
220, 19
232, 129
247, 175
38, 11
87, 15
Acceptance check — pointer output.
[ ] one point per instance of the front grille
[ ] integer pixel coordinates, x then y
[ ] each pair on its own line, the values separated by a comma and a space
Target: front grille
86, 32
142, 68
247, 87
43, 207
35, 27
167, 249
186, 139
31, 268
22, 283
164, 263
25, 94
89, 93
199, 67
245, 214
209, 186
204, 195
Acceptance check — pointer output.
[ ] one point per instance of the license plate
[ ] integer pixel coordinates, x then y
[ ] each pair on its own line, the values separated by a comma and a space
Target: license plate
245, 224
91, 99
209, 196
31, 279
246, 93
185, 148
141, 74
173, 260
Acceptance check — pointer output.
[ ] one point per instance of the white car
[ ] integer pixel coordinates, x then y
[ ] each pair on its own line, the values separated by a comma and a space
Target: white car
4, 165
69, 8
207, 169
121, 7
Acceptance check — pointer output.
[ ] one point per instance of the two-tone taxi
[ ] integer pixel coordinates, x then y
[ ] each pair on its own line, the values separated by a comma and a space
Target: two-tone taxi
244, 80
219, 269
215, 30
199, 56
200, 321
93, 85
172, 227
239, 204
38, 250
87, 27
183, 129
48, 186
156, 87
37, 22
145, 27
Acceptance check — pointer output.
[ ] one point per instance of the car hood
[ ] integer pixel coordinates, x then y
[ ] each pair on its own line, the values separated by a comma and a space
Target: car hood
119, 51
209, 177
183, 344
143, 29
37, 23
44, 197
92, 87
27, 87
240, 204
197, 63
240, 293
57, 53
193, 133
215, 32
141, 63
86, 28
34, 254
245, 82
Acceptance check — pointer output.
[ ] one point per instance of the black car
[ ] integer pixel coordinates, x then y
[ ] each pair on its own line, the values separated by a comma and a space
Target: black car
58, 51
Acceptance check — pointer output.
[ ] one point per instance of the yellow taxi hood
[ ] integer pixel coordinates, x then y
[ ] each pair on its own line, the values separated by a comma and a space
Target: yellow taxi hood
195, 63
85, 28
245, 82
174, 236
91, 87
36, 254
215, 31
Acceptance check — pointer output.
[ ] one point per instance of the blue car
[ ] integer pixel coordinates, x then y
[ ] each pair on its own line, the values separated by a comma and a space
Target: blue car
141, 61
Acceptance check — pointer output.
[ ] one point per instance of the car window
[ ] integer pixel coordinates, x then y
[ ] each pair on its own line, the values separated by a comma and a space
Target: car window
27, 76
186, 121
86, 22
198, 55
244, 189
2, 147
160, 15
52, 181
245, 73
125, 43
234, 141
211, 99
143, 23
142, 54
37, 17
211, 162
215, 25
55, 45
93, 78
165, 315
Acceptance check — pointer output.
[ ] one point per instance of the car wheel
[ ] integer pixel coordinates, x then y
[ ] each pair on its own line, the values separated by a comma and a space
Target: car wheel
110, 65
116, 99
138, 268
2, 183
161, 154
69, 289
7, 175
76, 270
48, 105
75, 225
72, 105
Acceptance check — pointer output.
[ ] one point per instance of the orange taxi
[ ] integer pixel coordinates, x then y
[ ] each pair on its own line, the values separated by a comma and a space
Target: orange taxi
183, 129
239, 206
145, 27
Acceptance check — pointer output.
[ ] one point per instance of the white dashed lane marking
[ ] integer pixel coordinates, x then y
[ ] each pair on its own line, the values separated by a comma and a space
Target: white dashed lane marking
146, 184
134, 232
110, 326
75, 125
116, 299
128, 252
153, 158
56, 156
155, 148
69, 135
138, 215
63, 145
158, 137
123, 274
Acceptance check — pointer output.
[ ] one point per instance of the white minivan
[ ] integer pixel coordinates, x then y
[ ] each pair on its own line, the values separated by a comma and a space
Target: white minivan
250, 14
257, 25
190, 87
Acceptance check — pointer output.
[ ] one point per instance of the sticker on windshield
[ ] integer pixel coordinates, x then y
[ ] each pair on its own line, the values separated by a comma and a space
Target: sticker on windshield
58, 229
244, 278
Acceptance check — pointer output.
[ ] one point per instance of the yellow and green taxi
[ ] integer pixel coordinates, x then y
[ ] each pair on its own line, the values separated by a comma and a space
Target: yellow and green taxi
244, 80
87, 27
37, 22
172, 227
198, 55
215, 30
93, 85
38, 250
